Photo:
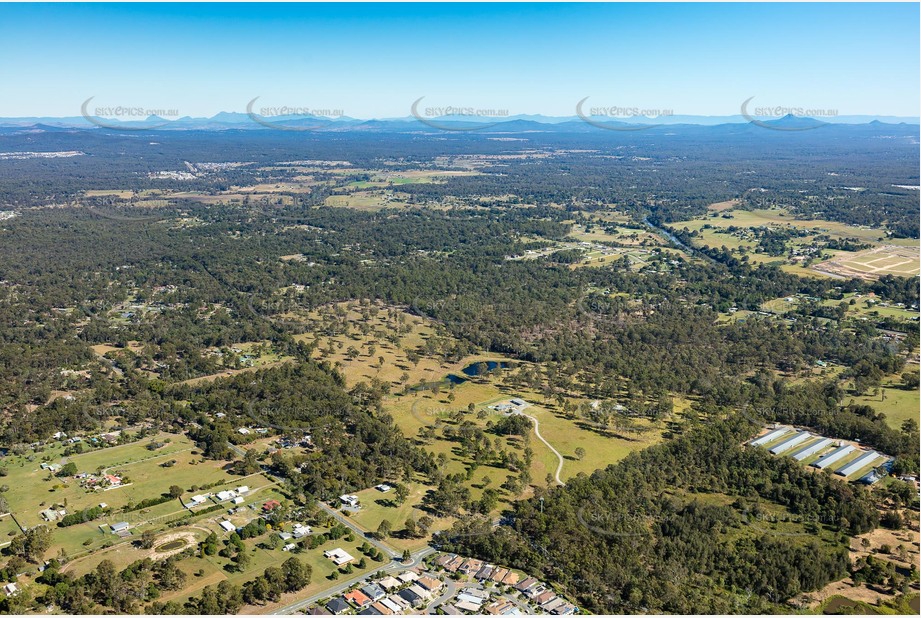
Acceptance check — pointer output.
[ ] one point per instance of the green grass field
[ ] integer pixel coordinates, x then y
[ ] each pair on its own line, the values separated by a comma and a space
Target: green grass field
896, 403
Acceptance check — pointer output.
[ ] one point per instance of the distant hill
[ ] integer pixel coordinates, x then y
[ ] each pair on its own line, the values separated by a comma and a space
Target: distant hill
515, 124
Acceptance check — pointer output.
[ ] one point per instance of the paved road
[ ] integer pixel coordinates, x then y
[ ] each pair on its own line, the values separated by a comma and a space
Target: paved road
393, 567
362, 533
559, 467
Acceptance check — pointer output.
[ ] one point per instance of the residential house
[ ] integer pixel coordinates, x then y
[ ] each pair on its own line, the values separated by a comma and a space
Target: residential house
339, 556
421, 592
468, 606
454, 564
196, 500
374, 592
51, 514
553, 604
382, 609
498, 574
357, 598
398, 601
499, 607
430, 583
511, 579
484, 573
471, 565
349, 500
526, 583
389, 583
475, 593
567, 609
407, 577
395, 608
338, 606
414, 599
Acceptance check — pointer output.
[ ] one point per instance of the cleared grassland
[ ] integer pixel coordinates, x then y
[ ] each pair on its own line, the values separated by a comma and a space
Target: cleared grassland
723, 206
366, 200
31, 489
898, 404
871, 263
377, 506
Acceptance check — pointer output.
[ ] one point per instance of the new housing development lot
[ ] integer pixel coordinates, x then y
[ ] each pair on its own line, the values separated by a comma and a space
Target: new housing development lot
844, 458
448, 584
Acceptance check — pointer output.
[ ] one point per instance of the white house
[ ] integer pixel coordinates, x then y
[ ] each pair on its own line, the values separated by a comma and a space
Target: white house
197, 500
228, 526
339, 556
349, 500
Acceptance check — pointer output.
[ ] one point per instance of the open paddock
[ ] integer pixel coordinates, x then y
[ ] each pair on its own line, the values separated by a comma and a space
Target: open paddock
873, 263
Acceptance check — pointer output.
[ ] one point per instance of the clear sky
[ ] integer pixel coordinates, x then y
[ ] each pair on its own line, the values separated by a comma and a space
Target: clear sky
374, 60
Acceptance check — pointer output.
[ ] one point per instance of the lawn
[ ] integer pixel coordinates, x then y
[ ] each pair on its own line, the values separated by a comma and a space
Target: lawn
377, 506
896, 403
31, 490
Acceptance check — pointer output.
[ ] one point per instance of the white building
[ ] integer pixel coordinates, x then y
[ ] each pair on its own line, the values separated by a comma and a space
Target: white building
349, 500
339, 556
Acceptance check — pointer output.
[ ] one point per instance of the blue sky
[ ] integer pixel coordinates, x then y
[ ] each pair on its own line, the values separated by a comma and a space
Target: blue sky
375, 60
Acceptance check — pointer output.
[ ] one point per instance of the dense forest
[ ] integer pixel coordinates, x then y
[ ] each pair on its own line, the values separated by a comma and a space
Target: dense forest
647, 535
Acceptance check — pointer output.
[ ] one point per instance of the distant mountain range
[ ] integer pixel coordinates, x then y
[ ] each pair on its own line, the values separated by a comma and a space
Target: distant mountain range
518, 123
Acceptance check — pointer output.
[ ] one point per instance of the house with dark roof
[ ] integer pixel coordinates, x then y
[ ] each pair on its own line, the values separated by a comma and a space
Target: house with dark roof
411, 597
338, 606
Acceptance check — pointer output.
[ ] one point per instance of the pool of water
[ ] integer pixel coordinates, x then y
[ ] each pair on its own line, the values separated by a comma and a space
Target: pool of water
474, 369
